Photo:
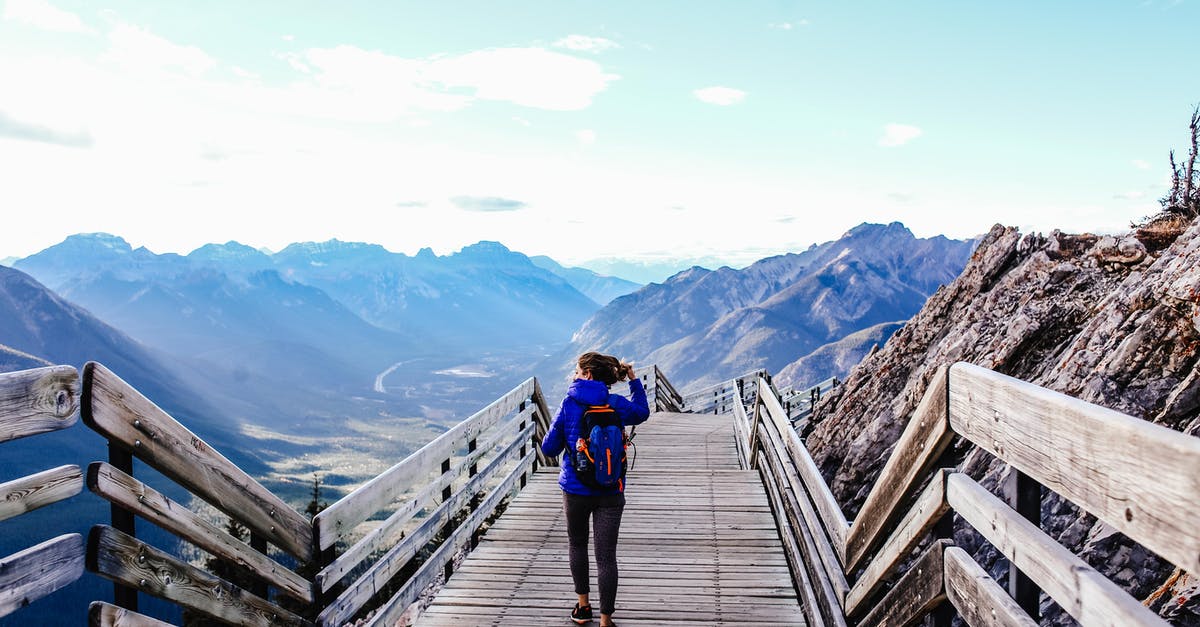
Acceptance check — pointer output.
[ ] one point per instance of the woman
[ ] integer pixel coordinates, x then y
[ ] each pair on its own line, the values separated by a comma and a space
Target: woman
594, 373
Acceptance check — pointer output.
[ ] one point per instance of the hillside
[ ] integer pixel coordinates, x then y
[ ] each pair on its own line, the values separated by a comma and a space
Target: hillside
1100, 318
703, 326
598, 287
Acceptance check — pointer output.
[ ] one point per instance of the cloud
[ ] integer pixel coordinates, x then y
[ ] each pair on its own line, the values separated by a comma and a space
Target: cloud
1130, 196
137, 47
43, 15
530, 77
898, 135
487, 203
583, 43
901, 197
16, 129
1141, 164
787, 25
723, 96
406, 204
586, 136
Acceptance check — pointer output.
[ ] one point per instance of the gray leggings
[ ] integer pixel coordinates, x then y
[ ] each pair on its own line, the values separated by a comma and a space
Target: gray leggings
606, 512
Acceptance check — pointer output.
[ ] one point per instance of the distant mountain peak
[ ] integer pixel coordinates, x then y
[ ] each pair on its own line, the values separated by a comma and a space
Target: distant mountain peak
97, 242
332, 246
486, 246
876, 229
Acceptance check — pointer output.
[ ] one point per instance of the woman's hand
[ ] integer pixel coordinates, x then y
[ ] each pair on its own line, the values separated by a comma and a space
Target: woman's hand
627, 371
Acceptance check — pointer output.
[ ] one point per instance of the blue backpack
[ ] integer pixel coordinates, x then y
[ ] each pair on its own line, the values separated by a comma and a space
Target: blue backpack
599, 457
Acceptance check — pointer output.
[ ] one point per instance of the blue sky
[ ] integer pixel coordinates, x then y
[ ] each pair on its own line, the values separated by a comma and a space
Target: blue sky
641, 130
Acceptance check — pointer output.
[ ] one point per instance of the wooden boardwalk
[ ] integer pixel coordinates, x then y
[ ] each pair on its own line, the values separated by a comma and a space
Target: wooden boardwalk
698, 544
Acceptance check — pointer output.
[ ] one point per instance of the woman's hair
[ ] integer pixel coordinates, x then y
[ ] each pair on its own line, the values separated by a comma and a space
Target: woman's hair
604, 368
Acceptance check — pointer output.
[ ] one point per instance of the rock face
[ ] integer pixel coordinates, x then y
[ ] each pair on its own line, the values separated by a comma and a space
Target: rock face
1098, 318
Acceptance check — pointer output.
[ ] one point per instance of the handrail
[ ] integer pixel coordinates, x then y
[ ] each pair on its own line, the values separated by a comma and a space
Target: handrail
1142, 479
491, 453
503, 432
34, 402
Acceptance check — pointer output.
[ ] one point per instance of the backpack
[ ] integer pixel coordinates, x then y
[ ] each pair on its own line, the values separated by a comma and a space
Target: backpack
600, 461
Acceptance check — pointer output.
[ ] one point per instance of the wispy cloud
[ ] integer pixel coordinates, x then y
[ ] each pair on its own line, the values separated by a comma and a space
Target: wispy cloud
530, 77
411, 204
583, 43
1129, 196
898, 135
787, 25
901, 197
16, 129
586, 136
1141, 164
43, 15
136, 47
487, 203
722, 96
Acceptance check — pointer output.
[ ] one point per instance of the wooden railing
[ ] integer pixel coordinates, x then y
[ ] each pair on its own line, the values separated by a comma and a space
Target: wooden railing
1141, 479
659, 391
446, 477
799, 403
415, 517
719, 398
33, 402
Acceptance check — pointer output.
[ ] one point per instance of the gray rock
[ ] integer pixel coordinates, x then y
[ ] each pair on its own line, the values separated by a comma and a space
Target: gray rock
1099, 318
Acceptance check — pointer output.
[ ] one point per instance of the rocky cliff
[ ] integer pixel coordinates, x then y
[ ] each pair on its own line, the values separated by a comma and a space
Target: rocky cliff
1112, 320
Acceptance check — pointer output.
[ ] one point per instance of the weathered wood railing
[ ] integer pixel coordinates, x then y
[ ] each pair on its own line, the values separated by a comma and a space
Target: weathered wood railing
33, 402
414, 517
1141, 479
137, 428
719, 397
447, 479
659, 391
798, 403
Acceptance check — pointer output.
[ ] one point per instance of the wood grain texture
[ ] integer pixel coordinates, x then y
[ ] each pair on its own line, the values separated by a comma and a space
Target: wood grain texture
833, 522
28, 575
122, 558
341, 517
362, 589
543, 418
1083, 592
39, 490
1141, 478
924, 439
741, 434
101, 614
390, 612
710, 555
139, 498
382, 536
929, 507
824, 572
918, 592
980, 601
123, 415
37, 401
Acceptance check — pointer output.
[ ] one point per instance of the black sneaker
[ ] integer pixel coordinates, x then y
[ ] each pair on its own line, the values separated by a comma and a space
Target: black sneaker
581, 614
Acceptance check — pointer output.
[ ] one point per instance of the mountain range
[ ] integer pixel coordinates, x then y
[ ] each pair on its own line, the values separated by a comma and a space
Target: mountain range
702, 326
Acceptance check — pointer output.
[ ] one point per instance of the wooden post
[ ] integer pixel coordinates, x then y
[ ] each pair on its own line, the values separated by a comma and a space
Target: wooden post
258, 543
123, 521
1024, 494
448, 528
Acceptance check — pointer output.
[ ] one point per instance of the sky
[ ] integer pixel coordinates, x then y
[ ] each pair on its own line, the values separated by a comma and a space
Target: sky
580, 130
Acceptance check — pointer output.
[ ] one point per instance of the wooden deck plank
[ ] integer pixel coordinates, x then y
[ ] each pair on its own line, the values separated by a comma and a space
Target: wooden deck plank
698, 544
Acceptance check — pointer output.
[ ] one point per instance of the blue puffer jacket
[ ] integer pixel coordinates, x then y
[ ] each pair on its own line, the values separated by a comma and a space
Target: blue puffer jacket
566, 428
